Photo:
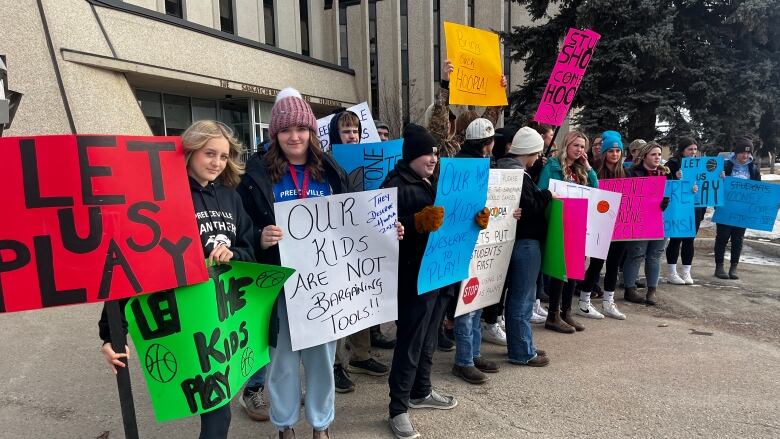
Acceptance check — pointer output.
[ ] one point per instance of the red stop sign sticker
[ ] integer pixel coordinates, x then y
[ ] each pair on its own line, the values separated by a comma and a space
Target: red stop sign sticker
471, 290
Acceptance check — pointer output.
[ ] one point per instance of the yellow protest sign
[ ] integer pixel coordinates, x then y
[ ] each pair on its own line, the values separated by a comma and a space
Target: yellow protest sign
476, 56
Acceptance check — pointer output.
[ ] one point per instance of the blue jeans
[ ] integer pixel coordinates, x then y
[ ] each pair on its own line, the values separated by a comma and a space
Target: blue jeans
651, 252
468, 337
523, 272
284, 382
258, 379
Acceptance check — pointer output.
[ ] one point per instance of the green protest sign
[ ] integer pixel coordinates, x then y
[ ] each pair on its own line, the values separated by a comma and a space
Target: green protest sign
199, 344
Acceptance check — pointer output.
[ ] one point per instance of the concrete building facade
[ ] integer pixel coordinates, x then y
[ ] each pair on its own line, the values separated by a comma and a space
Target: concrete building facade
154, 66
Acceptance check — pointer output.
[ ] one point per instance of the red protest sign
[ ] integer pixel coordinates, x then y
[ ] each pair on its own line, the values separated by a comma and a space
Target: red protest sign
566, 76
94, 218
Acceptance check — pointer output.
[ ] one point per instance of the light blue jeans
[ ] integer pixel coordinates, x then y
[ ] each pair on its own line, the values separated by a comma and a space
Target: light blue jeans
468, 337
651, 252
523, 272
284, 382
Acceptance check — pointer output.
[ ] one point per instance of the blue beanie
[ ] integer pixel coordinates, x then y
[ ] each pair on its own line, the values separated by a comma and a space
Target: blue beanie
611, 140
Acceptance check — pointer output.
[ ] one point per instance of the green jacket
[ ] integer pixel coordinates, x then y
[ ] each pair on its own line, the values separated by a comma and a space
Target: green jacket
552, 171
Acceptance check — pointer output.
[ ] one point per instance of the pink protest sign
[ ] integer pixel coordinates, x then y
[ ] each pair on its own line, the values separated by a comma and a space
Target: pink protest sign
566, 76
574, 236
640, 216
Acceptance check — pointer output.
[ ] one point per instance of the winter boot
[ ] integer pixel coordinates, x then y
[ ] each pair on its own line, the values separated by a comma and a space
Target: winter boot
567, 317
555, 323
733, 272
720, 273
631, 295
650, 298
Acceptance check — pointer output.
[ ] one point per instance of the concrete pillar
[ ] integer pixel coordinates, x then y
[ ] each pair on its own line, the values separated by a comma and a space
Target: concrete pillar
389, 53
154, 5
247, 25
317, 35
288, 34
359, 50
201, 12
336, 37
420, 29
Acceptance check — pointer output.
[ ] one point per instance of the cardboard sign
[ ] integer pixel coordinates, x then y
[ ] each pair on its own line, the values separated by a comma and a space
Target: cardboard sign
345, 251
566, 76
462, 191
680, 215
706, 173
198, 345
640, 216
94, 218
491, 256
363, 112
476, 56
748, 203
367, 164
603, 209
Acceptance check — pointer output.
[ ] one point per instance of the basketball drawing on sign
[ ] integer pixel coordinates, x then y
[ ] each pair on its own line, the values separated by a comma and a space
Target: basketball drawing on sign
160, 363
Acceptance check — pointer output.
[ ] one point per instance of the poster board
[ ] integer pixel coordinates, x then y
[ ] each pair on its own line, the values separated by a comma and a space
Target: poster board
706, 173
368, 164
363, 112
640, 216
748, 203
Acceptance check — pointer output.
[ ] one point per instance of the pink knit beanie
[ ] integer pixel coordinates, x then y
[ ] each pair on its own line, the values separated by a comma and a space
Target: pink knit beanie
291, 110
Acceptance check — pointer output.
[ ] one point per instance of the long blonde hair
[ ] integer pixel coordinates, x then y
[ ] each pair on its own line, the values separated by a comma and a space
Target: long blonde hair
579, 169
200, 132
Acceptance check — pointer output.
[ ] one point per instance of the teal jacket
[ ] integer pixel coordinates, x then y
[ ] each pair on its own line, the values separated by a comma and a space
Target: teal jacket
552, 171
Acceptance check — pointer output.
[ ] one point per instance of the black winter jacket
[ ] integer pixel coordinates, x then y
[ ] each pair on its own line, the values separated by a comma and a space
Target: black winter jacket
256, 192
414, 194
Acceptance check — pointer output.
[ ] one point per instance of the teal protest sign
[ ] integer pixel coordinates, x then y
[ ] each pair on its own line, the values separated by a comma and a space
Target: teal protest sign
706, 173
198, 345
680, 215
462, 192
367, 164
750, 204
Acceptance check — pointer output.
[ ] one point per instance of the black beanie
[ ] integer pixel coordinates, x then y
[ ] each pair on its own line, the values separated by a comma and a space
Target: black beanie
743, 144
683, 143
417, 142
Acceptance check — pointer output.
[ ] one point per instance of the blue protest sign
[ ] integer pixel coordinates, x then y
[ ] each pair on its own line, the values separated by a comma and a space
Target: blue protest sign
706, 173
462, 192
367, 164
679, 216
750, 204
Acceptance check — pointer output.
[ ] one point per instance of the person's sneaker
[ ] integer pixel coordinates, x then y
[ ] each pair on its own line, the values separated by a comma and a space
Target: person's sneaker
501, 322
343, 383
445, 343
434, 401
402, 427
686, 277
254, 404
486, 366
368, 367
381, 341
611, 310
536, 318
537, 361
539, 309
586, 309
675, 279
493, 334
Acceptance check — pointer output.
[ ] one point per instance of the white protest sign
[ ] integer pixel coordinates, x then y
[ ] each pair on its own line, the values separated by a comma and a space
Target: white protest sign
344, 250
369, 133
603, 207
491, 256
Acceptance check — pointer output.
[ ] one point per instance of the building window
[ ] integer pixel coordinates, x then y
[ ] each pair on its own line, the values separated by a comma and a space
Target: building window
373, 56
507, 28
151, 107
437, 40
174, 8
261, 116
304, 6
405, 58
471, 12
343, 35
226, 17
204, 109
270, 22
177, 113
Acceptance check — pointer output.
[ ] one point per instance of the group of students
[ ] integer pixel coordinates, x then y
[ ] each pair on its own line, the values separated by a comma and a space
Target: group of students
293, 166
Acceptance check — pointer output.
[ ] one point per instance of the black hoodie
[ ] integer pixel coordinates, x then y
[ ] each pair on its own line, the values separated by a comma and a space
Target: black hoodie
221, 219
333, 128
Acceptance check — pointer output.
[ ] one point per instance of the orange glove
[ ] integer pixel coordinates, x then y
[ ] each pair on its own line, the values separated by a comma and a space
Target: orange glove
482, 218
429, 219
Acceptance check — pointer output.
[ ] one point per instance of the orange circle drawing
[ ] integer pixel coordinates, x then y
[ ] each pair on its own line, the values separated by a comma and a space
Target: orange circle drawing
603, 206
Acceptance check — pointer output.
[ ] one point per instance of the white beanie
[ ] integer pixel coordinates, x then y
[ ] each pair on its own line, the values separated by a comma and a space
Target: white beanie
526, 141
287, 92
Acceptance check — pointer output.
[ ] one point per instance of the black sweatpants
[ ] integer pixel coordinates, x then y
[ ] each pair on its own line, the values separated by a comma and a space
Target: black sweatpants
723, 234
560, 294
215, 424
417, 333
617, 249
